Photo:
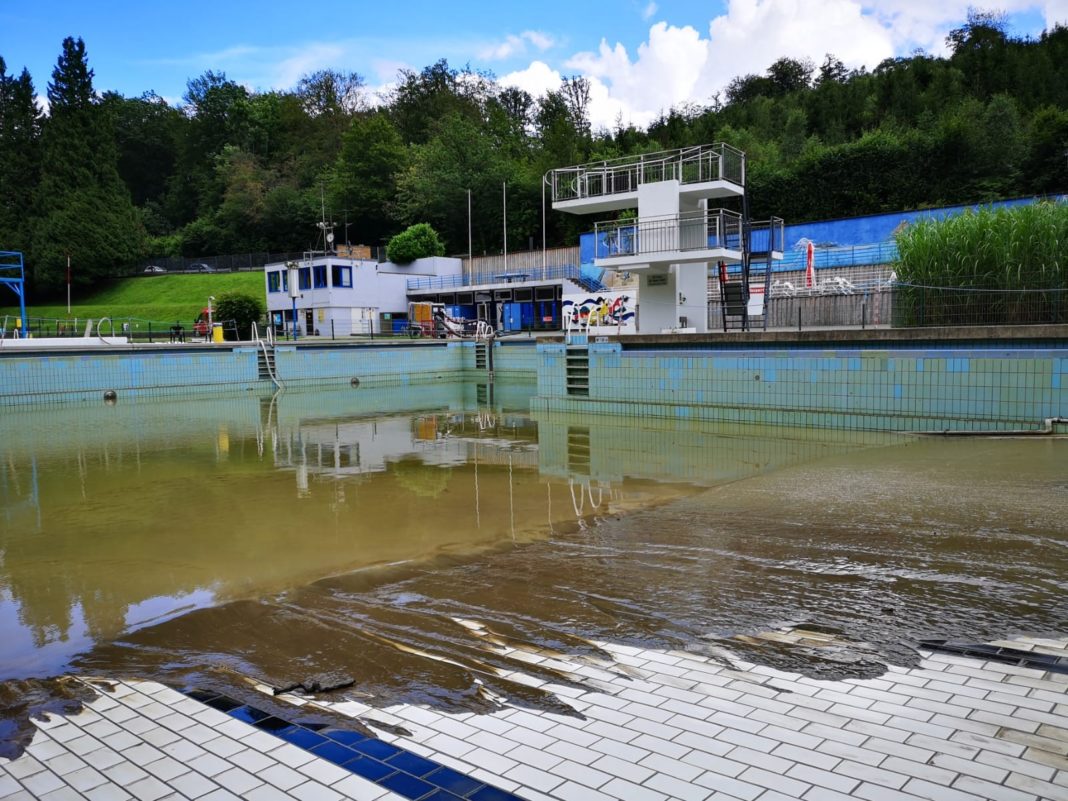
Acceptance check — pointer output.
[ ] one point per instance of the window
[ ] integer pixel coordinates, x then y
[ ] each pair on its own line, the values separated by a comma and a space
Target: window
319, 274
342, 276
305, 278
274, 283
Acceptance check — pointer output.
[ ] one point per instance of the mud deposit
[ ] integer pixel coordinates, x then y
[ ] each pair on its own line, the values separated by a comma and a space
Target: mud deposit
420, 555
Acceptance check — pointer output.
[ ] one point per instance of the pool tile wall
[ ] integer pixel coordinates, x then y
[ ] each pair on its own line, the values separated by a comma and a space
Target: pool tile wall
516, 357
910, 388
54, 377
608, 449
373, 364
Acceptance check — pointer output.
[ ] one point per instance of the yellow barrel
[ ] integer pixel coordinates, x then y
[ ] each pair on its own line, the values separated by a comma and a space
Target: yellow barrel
216, 332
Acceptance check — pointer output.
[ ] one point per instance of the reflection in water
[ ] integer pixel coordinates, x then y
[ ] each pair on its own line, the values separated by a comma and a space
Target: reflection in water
418, 550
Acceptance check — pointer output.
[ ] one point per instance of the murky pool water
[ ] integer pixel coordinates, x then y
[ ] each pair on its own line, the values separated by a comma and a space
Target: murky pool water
400, 536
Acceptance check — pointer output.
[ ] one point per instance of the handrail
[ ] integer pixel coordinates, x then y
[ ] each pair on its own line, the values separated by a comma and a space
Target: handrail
700, 164
481, 279
266, 356
701, 230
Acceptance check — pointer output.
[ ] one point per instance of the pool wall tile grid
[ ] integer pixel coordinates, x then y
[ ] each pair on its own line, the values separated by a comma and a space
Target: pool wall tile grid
518, 358
59, 378
388, 765
387, 364
147, 741
611, 449
923, 389
680, 726
675, 724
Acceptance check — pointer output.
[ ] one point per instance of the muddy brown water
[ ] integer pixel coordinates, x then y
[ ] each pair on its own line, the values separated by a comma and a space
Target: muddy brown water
408, 537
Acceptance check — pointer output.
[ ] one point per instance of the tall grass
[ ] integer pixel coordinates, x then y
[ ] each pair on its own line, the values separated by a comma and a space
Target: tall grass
991, 266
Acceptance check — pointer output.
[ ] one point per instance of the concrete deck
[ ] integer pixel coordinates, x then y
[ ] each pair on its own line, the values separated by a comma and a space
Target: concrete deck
658, 725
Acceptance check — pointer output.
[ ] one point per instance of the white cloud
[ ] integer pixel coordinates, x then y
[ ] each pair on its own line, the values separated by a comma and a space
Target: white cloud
307, 60
677, 65
538, 79
649, 10
515, 45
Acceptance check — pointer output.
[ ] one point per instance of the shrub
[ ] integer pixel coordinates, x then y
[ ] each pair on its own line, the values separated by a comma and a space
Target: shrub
418, 242
240, 309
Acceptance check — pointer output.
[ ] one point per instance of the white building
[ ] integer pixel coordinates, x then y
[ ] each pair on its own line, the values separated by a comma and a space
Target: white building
338, 296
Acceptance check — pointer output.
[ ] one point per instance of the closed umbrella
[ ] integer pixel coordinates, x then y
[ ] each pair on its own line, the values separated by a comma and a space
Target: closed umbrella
810, 265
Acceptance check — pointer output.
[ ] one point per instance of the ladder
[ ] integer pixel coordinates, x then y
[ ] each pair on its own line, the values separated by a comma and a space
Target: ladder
265, 363
577, 360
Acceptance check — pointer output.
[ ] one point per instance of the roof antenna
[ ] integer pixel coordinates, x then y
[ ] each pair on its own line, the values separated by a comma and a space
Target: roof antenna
324, 226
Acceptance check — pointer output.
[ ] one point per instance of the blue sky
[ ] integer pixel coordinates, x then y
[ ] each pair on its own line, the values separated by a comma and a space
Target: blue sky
642, 56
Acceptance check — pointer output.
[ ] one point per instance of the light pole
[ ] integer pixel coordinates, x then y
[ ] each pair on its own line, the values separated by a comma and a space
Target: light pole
211, 299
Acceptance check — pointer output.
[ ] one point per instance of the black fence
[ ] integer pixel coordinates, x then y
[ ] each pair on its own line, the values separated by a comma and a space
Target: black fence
915, 306
233, 263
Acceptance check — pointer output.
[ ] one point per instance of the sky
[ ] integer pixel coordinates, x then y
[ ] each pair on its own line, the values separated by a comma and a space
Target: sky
641, 56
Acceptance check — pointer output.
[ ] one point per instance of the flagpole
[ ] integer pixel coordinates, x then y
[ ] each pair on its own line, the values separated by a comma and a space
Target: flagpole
504, 214
68, 285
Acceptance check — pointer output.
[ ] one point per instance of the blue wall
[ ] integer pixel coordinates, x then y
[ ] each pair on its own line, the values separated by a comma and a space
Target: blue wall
849, 231
902, 386
55, 377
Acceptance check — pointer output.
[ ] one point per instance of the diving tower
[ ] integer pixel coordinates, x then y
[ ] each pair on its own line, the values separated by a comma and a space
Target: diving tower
675, 237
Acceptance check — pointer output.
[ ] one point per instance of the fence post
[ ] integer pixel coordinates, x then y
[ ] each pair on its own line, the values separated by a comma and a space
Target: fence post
332, 328
864, 313
799, 315
150, 331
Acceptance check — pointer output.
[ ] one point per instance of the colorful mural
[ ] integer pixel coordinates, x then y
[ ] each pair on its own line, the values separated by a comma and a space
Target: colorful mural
606, 309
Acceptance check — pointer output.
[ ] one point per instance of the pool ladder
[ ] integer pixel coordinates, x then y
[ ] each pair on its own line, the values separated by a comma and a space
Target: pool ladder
577, 359
265, 357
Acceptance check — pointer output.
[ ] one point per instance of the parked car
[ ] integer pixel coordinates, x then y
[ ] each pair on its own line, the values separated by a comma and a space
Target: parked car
154, 268
201, 267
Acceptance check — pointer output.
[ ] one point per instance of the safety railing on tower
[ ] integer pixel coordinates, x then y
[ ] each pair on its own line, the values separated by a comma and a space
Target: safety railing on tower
692, 165
711, 230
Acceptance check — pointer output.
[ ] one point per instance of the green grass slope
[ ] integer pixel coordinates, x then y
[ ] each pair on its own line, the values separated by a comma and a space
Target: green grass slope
157, 298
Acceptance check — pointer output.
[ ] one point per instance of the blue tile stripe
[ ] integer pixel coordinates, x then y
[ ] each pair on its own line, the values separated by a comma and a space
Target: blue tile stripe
387, 765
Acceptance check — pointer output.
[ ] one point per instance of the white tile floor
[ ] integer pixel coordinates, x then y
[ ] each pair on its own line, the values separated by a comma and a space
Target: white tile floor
661, 725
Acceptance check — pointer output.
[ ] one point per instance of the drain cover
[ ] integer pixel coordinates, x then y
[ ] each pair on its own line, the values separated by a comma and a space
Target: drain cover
995, 653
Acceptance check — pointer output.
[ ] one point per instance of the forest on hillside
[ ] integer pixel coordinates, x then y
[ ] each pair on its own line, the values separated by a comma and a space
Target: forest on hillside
111, 179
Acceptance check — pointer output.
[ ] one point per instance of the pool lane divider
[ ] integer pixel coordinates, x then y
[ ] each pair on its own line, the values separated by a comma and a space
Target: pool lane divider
387, 765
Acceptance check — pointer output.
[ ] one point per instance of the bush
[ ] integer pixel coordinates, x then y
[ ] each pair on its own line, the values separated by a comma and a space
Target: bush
418, 242
240, 310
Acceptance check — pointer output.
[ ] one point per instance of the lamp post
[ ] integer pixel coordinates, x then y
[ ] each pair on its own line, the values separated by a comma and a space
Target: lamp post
211, 299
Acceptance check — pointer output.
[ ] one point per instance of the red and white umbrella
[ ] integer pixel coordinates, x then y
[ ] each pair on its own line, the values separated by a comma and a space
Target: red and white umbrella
810, 265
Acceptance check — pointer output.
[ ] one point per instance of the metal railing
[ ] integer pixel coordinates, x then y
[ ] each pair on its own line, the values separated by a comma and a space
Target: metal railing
720, 229
701, 164
767, 236
552, 273
132, 328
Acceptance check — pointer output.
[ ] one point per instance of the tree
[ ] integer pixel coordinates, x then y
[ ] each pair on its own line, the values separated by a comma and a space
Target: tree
423, 99
20, 129
240, 309
147, 131
364, 178
831, 71
790, 74
82, 206
417, 242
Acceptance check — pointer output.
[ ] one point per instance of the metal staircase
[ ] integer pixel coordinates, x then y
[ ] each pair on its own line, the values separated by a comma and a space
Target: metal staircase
482, 355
